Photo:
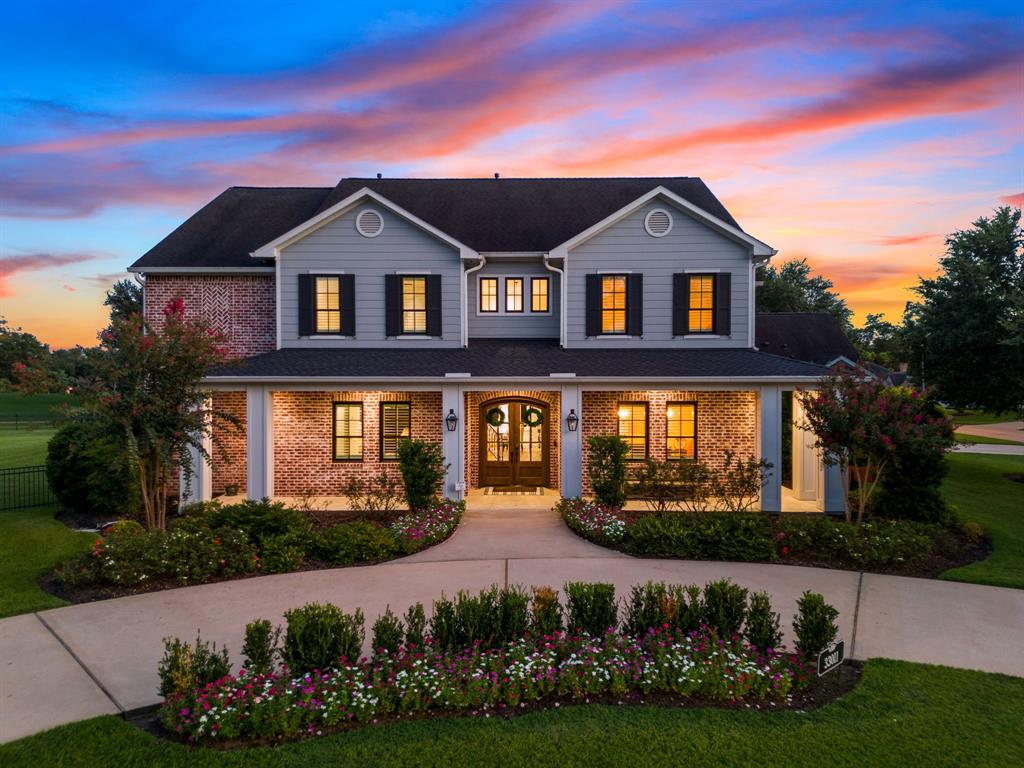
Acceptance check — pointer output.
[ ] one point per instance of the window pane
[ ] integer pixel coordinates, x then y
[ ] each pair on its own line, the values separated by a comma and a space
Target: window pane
513, 294
613, 304
395, 425
680, 430
702, 304
633, 428
414, 305
539, 294
489, 294
328, 305
348, 431
498, 437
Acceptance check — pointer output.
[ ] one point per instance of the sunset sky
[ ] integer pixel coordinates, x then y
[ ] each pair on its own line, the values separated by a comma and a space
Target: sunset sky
855, 134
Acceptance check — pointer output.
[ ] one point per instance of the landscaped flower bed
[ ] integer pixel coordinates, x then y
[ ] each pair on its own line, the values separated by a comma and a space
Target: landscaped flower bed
892, 546
498, 652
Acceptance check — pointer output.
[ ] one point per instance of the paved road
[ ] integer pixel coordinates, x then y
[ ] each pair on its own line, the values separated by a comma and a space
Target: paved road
70, 663
1006, 430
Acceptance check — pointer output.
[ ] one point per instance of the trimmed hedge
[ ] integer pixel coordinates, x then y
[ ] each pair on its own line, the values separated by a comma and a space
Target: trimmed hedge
714, 536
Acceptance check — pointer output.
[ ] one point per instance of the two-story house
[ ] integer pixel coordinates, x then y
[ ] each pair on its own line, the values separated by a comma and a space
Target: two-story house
507, 319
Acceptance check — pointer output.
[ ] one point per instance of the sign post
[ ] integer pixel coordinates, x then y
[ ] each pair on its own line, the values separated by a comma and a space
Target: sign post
830, 658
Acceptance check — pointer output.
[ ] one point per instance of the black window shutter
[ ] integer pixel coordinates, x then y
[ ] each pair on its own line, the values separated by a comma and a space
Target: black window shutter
392, 305
593, 305
723, 303
680, 304
307, 307
347, 289
433, 305
635, 305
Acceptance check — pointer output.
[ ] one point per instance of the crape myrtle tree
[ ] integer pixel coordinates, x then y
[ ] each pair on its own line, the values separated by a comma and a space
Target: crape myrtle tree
864, 426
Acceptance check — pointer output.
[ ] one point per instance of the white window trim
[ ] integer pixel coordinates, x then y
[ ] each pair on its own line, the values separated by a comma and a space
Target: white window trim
704, 336
527, 295
617, 336
408, 336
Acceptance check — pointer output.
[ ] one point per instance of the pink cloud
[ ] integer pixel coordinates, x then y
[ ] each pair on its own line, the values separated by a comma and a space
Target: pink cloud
904, 239
1016, 201
33, 262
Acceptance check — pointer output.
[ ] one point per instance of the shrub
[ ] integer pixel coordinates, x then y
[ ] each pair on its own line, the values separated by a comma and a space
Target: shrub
655, 483
973, 532
545, 612
282, 554
319, 636
89, 472
737, 486
742, 537
814, 625
591, 607
762, 627
259, 519
358, 542
424, 528
513, 613
260, 647
381, 493
444, 630
124, 529
878, 543
423, 469
606, 468
387, 634
185, 667
592, 520
131, 560
476, 618
725, 606
648, 607
415, 626
196, 554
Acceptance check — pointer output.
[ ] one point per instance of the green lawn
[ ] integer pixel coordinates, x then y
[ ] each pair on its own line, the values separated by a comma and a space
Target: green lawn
902, 714
976, 486
24, 447
32, 543
979, 417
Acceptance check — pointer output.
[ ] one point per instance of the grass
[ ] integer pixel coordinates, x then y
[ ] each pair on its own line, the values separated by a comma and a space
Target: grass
983, 440
24, 447
31, 544
42, 406
901, 714
980, 417
977, 487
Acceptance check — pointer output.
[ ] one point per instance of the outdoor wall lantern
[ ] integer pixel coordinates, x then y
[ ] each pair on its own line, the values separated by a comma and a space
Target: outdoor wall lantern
572, 420
451, 420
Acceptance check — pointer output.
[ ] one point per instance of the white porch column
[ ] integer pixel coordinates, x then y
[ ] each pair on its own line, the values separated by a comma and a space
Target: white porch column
770, 424
259, 436
806, 460
453, 443
834, 494
572, 443
199, 485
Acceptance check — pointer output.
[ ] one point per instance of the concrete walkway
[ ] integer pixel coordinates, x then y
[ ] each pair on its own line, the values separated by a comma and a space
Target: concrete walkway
1005, 430
70, 663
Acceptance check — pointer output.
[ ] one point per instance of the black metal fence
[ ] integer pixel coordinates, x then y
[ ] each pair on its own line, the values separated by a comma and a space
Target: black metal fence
23, 487
19, 421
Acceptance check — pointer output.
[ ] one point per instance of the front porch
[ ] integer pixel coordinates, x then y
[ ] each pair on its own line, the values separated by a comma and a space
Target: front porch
303, 445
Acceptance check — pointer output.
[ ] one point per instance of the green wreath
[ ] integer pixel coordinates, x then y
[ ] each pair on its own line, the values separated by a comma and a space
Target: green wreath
533, 417
495, 417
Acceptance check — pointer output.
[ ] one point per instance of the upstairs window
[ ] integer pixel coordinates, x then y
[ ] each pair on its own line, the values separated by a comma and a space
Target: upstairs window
539, 287
513, 294
348, 431
395, 426
681, 431
414, 305
613, 304
488, 294
328, 305
702, 304
633, 428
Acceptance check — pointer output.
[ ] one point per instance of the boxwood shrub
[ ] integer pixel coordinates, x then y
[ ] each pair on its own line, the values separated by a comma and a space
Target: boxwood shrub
711, 536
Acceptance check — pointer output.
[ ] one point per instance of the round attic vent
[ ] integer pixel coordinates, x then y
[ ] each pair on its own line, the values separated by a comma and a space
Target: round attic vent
658, 222
369, 223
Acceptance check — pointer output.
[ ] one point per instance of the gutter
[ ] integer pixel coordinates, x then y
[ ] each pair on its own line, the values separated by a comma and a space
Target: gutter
506, 381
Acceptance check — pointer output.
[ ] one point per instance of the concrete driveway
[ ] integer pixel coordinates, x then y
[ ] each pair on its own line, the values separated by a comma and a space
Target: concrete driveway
1006, 430
70, 663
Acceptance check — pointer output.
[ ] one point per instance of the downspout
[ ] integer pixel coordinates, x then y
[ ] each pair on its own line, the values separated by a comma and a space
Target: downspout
465, 298
561, 297
141, 280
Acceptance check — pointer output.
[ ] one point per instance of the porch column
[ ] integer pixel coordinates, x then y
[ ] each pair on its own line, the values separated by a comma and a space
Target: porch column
834, 495
259, 439
770, 423
453, 443
199, 485
806, 460
572, 443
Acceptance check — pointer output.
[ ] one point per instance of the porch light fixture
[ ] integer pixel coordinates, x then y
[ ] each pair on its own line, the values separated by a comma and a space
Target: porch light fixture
572, 421
451, 420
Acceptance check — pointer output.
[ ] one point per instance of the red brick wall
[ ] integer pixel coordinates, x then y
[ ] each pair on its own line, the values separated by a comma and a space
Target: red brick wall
231, 465
240, 306
303, 434
724, 420
472, 448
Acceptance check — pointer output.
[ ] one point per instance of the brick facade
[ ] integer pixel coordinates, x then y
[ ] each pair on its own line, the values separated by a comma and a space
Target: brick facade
240, 306
724, 420
304, 431
231, 466
472, 415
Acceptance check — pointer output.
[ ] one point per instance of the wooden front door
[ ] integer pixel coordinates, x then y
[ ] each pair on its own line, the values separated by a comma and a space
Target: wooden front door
514, 443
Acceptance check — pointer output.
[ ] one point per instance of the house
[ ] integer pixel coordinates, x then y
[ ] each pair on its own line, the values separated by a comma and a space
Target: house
507, 319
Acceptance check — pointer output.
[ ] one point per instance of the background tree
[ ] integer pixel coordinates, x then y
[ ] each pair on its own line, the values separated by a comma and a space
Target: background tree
966, 334
791, 288
881, 342
18, 349
124, 299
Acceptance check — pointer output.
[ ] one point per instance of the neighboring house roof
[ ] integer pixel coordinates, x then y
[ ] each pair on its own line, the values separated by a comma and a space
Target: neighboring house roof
488, 215
814, 337
504, 358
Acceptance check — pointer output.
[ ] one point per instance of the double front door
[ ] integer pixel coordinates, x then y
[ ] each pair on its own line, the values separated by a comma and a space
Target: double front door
513, 443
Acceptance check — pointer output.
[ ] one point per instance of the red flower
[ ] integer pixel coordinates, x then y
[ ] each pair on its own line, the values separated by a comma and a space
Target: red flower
785, 551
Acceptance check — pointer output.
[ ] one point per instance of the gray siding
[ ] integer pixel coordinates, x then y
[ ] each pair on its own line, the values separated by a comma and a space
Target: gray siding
401, 247
515, 325
626, 246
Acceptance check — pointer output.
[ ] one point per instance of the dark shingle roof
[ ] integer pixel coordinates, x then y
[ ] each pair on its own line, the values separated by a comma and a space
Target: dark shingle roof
518, 359
814, 337
485, 214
